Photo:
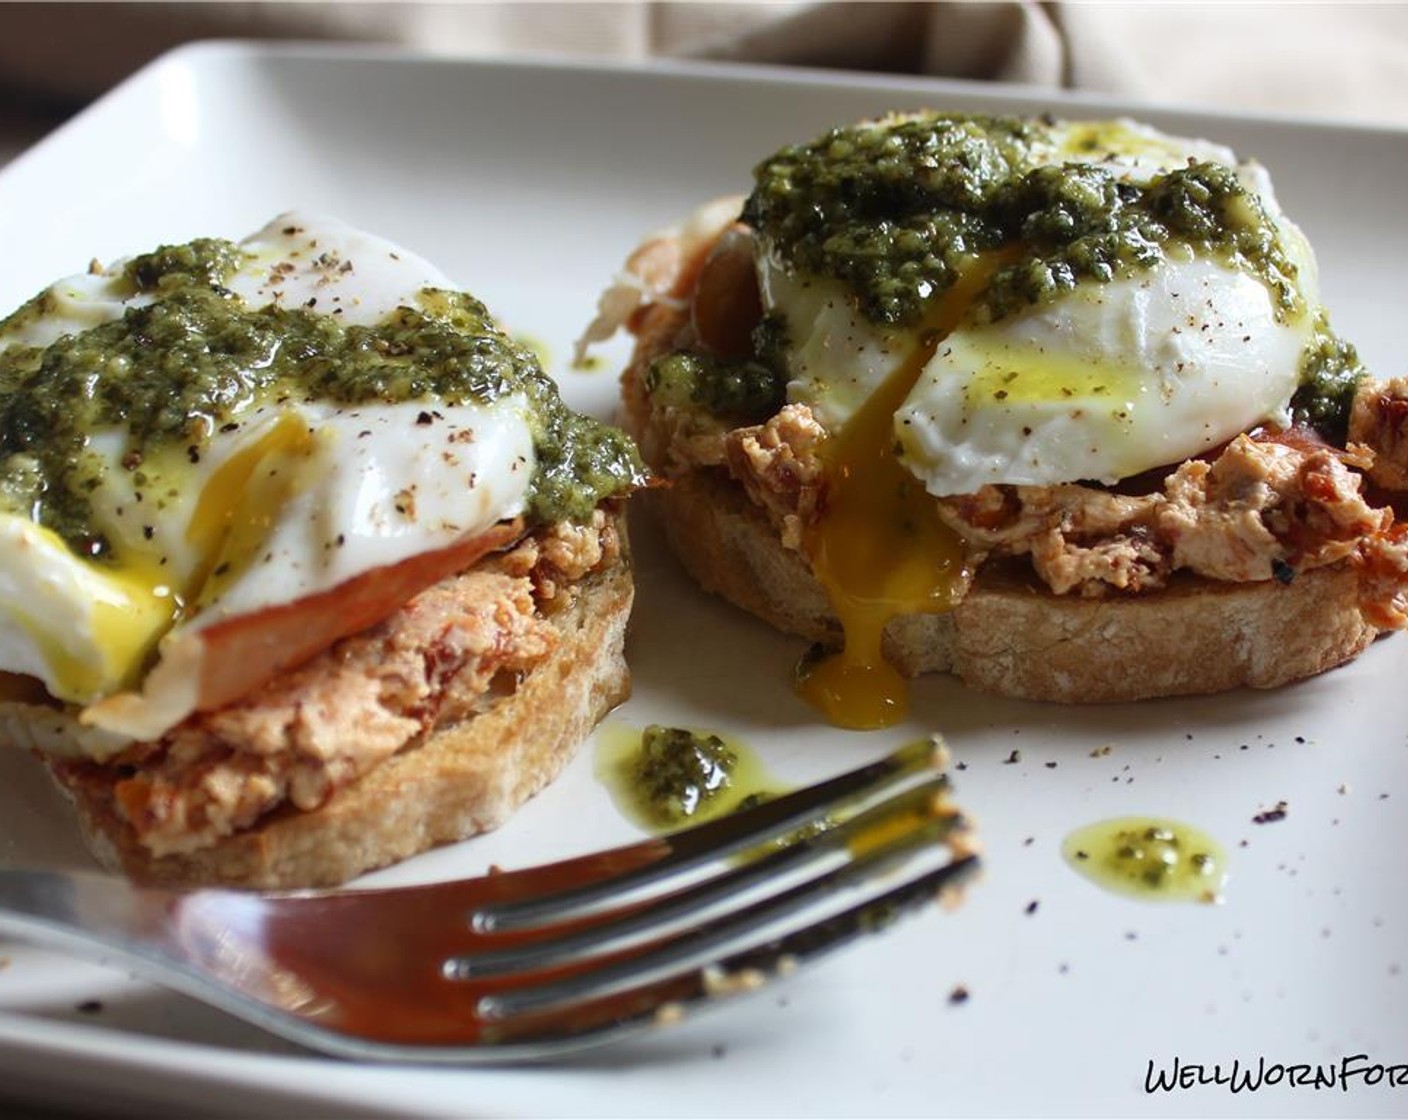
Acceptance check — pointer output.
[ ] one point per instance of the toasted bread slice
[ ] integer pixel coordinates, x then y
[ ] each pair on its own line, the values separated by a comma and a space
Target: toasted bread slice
1012, 636
462, 779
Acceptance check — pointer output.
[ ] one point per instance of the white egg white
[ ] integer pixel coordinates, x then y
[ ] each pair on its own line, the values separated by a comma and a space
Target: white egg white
1102, 382
290, 501
1114, 379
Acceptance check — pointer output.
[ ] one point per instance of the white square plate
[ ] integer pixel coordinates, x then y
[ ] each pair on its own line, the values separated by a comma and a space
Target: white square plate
530, 183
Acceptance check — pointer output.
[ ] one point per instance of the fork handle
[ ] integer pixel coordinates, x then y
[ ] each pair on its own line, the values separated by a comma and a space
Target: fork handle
83, 910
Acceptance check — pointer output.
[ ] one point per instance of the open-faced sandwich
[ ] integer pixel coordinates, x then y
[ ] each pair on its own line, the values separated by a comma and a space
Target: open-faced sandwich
1054, 406
305, 567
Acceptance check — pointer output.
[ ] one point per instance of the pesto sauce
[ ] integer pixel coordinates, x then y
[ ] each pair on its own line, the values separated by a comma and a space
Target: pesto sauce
743, 390
897, 213
664, 778
1149, 858
29, 312
1330, 374
174, 370
739, 390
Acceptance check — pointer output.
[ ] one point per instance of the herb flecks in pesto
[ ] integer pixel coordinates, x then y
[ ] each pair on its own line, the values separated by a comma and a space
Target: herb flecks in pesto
189, 356
1149, 858
1330, 374
896, 211
747, 390
29, 312
206, 262
678, 771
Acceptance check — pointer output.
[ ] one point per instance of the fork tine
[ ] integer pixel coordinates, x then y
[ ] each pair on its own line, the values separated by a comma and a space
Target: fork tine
667, 999
878, 840
657, 913
269, 959
604, 875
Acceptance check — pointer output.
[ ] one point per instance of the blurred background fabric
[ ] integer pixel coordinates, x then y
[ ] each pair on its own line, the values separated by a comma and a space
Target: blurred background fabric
1345, 61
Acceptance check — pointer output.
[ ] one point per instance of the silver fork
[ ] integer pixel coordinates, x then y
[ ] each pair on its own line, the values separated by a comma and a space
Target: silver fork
528, 964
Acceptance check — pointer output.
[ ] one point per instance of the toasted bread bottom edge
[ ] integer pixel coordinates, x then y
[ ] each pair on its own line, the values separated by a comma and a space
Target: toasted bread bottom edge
464, 779
1011, 637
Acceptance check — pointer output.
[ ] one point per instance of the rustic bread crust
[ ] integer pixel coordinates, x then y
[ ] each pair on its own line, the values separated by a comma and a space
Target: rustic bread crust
1012, 636
464, 779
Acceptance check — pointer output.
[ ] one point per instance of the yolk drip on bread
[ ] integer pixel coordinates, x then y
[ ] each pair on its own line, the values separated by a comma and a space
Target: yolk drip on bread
880, 551
879, 547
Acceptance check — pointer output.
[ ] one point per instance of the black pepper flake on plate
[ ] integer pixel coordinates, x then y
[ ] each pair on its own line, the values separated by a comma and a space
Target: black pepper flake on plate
1270, 816
1031, 907
1014, 757
960, 994
89, 1006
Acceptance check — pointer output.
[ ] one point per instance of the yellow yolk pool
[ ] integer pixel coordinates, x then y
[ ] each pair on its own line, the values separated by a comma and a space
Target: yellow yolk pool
880, 549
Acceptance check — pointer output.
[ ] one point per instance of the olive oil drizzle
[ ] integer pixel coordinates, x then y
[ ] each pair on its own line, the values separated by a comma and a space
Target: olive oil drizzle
1149, 857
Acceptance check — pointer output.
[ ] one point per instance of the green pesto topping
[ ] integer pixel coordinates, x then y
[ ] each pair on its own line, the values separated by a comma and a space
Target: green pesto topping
1330, 373
206, 262
176, 369
746, 391
679, 771
741, 390
29, 312
897, 213
665, 777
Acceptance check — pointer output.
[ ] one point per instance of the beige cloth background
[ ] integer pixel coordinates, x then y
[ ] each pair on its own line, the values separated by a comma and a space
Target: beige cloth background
1343, 60
1325, 58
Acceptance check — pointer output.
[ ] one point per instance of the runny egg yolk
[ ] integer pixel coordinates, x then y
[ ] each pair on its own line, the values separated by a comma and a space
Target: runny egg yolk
240, 504
126, 609
879, 548
134, 610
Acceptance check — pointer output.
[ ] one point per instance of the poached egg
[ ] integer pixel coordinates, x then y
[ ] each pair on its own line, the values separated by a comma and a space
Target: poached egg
286, 502
1107, 377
